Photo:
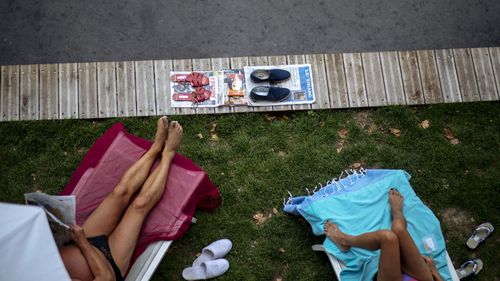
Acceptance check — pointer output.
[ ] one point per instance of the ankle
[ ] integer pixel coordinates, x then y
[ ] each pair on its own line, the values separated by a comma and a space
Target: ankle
168, 154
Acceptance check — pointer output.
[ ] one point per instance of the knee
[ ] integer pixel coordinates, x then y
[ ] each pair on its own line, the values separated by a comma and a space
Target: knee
387, 236
141, 204
122, 193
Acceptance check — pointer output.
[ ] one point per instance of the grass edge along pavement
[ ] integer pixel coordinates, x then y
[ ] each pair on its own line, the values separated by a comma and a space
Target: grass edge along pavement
254, 158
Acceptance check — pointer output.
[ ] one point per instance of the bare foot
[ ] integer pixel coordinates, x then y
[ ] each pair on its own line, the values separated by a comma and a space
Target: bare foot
333, 232
174, 138
396, 203
161, 133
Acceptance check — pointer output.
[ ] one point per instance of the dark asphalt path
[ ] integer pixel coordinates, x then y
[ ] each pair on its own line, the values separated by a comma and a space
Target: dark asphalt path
50, 31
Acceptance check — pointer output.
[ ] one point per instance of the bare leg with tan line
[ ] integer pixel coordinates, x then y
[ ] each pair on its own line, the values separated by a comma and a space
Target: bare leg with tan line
123, 239
107, 215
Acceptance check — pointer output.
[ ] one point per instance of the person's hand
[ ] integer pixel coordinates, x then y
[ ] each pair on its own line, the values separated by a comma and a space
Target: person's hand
77, 234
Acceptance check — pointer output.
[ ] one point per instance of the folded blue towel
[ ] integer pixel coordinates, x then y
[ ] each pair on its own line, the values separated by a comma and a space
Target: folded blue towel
363, 207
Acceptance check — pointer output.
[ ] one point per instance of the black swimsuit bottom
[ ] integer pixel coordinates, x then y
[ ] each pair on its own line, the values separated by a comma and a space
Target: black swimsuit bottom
101, 243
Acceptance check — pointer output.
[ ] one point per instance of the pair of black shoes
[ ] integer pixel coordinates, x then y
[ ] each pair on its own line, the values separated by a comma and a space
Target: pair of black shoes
266, 93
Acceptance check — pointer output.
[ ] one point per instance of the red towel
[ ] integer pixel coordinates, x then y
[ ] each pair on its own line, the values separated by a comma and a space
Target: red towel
188, 186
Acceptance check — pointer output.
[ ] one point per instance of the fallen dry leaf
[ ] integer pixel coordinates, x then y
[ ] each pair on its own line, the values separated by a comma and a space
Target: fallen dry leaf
339, 149
275, 211
454, 141
65, 153
425, 124
356, 165
322, 124
214, 127
447, 134
253, 243
281, 153
281, 250
278, 278
343, 133
270, 118
259, 218
199, 135
214, 137
395, 132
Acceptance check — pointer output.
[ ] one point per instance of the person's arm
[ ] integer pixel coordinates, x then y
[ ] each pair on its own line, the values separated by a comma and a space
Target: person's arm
97, 263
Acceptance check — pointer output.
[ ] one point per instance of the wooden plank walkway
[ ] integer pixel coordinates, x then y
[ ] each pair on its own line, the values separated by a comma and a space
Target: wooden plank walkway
349, 80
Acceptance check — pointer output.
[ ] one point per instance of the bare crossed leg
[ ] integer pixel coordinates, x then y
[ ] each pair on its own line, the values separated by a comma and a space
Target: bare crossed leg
107, 215
398, 252
123, 239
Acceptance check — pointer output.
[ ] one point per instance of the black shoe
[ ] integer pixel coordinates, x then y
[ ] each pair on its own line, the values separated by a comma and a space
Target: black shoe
265, 93
269, 75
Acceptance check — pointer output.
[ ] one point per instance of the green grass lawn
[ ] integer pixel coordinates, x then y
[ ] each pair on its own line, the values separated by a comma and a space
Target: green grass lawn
256, 160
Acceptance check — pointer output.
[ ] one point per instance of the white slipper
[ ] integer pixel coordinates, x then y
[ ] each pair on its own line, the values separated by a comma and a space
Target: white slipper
216, 250
206, 270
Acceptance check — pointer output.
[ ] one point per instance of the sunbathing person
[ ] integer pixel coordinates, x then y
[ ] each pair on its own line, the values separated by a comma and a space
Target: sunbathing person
104, 245
398, 252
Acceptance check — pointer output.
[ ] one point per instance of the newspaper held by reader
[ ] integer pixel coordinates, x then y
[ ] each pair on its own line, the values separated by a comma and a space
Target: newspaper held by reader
60, 212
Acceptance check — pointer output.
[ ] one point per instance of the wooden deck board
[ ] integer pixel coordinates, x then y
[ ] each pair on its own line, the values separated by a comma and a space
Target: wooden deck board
343, 80
466, 75
430, 77
162, 70
393, 80
495, 62
412, 83
10, 93
29, 92
68, 91
337, 85
374, 79
106, 89
87, 89
126, 89
355, 80
49, 91
145, 89
448, 75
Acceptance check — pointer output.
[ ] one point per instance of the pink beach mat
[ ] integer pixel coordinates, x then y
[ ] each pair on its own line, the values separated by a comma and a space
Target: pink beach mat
188, 186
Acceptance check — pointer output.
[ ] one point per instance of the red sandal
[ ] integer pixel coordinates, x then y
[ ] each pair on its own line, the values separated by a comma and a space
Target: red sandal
199, 94
195, 78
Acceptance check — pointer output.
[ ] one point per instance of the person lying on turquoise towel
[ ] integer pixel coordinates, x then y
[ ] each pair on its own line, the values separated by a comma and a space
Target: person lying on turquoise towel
400, 258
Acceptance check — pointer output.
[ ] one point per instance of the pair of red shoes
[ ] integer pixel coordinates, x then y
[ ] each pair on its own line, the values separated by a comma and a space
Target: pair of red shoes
197, 81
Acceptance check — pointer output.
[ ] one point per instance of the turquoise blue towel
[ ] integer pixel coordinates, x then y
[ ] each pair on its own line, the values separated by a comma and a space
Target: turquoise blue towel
363, 207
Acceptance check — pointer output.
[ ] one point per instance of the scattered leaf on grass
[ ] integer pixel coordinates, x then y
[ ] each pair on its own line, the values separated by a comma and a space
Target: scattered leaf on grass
199, 135
425, 124
281, 153
253, 243
343, 133
447, 134
260, 218
214, 128
322, 124
275, 211
278, 278
270, 118
213, 135
356, 165
454, 141
281, 250
395, 132
65, 153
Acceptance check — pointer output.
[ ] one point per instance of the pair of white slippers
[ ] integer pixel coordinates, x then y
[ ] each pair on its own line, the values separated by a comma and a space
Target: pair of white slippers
210, 263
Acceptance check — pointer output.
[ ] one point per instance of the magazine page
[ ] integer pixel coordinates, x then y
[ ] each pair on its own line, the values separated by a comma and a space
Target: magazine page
196, 89
60, 212
234, 87
300, 84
